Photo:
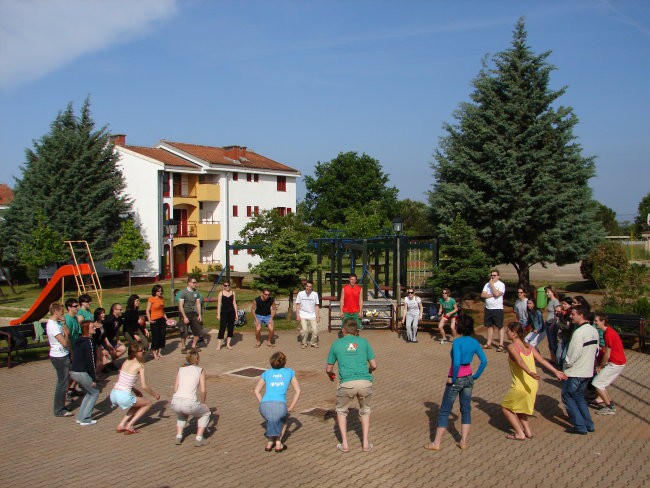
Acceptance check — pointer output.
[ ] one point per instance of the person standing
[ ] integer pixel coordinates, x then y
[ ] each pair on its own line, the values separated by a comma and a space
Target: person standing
308, 313
521, 308
460, 382
412, 315
579, 367
611, 364
73, 332
227, 314
352, 301
263, 311
356, 362
83, 371
157, 321
447, 310
60, 357
492, 293
189, 305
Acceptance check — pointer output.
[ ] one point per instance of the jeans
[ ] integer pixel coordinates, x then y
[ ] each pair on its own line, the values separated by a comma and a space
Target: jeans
184, 407
275, 414
573, 397
62, 367
462, 387
412, 326
88, 403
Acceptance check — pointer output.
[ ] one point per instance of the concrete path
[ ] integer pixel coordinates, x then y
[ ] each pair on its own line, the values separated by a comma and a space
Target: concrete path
42, 451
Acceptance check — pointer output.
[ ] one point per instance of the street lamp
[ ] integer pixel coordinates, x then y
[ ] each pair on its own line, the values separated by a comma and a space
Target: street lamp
171, 226
397, 227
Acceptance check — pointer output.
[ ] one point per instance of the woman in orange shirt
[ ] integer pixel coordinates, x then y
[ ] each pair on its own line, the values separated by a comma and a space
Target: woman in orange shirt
157, 321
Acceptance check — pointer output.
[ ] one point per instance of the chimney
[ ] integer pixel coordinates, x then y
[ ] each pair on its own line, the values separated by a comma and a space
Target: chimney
119, 139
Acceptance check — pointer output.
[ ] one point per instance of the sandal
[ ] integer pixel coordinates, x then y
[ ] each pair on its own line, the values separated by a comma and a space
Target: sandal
131, 431
485, 346
512, 437
500, 349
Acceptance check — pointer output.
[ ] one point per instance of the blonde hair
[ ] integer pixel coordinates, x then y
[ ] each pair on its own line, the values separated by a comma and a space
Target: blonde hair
192, 357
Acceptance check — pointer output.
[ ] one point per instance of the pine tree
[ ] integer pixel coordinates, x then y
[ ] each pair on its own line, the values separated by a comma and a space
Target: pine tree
70, 176
512, 168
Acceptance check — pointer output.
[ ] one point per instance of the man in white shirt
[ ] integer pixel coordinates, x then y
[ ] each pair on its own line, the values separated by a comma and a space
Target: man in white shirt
308, 313
579, 367
492, 293
60, 357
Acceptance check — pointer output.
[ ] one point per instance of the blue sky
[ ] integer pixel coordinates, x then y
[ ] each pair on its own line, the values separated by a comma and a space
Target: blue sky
300, 81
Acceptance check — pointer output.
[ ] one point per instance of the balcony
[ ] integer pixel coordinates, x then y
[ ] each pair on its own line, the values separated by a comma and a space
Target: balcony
208, 192
209, 231
185, 196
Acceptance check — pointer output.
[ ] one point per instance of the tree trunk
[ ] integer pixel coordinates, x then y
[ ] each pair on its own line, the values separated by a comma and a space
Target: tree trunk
128, 273
523, 273
290, 311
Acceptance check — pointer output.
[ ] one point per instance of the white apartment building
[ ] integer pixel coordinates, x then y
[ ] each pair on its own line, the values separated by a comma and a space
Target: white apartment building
211, 191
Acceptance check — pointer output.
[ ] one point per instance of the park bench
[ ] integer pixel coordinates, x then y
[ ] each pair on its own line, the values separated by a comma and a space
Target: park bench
630, 327
27, 331
381, 316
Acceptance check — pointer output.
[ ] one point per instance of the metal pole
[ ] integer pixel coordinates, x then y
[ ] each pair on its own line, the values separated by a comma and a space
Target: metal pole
171, 267
399, 286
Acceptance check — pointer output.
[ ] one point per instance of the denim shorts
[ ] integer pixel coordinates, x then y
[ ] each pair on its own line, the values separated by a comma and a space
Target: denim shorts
263, 319
123, 399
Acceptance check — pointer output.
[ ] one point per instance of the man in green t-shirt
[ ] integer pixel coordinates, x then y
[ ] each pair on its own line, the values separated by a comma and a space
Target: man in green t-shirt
356, 361
189, 306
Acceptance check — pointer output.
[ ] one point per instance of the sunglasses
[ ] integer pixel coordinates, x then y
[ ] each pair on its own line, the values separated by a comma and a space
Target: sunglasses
226, 286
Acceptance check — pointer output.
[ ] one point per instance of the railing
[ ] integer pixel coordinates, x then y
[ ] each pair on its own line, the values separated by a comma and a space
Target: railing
186, 228
210, 260
189, 193
209, 220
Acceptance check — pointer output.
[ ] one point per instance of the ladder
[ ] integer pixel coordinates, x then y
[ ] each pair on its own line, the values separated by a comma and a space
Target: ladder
93, 286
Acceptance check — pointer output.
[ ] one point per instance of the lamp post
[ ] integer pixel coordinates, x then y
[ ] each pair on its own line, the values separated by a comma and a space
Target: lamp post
171, 226
397, 227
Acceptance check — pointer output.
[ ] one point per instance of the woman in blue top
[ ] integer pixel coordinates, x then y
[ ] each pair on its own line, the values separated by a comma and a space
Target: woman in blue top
273, 405
460, 382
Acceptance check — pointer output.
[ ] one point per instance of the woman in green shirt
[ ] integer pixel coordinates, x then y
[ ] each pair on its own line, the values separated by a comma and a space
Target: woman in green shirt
447, 312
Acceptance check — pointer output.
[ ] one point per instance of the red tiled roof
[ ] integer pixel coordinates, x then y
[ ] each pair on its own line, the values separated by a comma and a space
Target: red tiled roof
6, 194
163, 156
225, 156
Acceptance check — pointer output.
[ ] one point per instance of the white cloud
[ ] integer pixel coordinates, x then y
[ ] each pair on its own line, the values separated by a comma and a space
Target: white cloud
40, 36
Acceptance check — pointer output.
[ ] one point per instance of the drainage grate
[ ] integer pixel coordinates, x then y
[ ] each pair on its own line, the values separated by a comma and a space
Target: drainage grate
319, 412
248, 372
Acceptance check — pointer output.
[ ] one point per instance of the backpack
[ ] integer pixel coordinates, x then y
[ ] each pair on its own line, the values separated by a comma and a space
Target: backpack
241, 318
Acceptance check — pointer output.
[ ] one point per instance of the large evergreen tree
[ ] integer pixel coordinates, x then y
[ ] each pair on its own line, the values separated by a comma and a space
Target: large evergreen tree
70, 176
348, 181
512, 168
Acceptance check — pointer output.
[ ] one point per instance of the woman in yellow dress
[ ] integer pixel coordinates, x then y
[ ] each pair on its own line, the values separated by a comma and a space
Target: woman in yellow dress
519, 402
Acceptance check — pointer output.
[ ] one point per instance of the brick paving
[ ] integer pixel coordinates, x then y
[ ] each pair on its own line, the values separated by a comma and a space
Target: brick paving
40, 450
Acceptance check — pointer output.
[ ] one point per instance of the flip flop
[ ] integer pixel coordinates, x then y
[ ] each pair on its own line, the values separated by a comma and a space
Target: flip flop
131, 431
462, 446
268, 448
340, 448
431, 447
512, 437
500, 349
258, 345
370, 446
487, 347
120, 430
283, 448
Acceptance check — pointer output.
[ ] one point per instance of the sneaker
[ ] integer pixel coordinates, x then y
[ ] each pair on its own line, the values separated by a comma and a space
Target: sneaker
184, 351
179, 440
303, 346
65, 414
86, 422
443, 341
200, 443
606, 411
315, 345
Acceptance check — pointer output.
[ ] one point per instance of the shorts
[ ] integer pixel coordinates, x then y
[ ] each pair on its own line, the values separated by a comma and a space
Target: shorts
352, 316
348, 391
182, 328
493, 317
196, 327
263, 319
123, 399
607, 375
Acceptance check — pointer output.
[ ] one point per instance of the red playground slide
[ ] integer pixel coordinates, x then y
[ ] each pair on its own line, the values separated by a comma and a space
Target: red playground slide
51, 293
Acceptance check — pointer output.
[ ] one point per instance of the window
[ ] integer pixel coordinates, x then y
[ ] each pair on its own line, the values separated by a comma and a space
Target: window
282, 183
282, 211
249, 177
256, 178
288, 210
235, 252
235, 211
165, 184
235, 177
249, 211
250, 251
256, 210
209, 178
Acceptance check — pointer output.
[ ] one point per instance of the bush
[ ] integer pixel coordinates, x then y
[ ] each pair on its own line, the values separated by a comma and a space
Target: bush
642, 307
195, 273
606, 255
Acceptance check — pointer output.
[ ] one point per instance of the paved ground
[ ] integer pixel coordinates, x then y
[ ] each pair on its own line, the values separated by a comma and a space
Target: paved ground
40, 450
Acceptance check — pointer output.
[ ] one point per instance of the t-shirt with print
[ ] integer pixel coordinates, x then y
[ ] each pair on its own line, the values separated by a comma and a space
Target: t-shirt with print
189, 298
352, 354
412, 305
307, 304
53, 329
276, 384
448, 306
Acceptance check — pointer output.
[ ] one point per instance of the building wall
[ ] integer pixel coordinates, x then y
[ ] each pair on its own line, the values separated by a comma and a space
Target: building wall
143, 187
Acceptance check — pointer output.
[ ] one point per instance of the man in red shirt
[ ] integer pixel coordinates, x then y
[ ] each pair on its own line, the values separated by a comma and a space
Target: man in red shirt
352, 301
611, 363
